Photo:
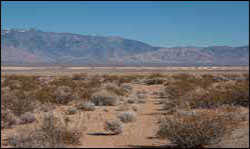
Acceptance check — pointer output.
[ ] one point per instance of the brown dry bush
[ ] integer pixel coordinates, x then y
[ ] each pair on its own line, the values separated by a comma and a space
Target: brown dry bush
116, 90
51, 133
104, 98
18, 102
64, 81
58, 95
195, 130
81, 76
24, 83
234, 94
113, 126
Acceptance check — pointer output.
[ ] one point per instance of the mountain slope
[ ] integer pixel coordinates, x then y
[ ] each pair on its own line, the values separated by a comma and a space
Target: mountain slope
33, 46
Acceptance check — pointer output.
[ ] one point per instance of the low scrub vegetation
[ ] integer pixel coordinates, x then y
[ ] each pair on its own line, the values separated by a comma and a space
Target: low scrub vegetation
51, 133
127, 117
191, 131
114, 126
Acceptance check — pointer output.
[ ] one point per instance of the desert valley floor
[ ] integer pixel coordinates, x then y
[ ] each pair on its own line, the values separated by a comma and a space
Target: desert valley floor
144, 92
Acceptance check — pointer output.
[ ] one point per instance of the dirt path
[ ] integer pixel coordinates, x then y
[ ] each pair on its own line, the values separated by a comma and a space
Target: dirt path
137, 134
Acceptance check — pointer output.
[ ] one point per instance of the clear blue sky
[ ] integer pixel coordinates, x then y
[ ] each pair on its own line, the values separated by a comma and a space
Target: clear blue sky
157, 23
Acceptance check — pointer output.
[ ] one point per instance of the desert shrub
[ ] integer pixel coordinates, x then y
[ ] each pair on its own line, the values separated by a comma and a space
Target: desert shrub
81, 76
170, 106
71, 111
127, 87
57, 95
85, 89
86, 106
154, 81
127, 117
235, 94
44, 95
8, 119
18, 102
24, 83
27, 118
116, 90
131, 100
246, 76
182, 76
103, 98
156, 75
186, 83
191, 130
62, 95
52, 133
113, 126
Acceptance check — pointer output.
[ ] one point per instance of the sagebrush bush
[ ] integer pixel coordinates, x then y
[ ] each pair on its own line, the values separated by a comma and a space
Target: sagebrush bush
8, 119
71, 111
103, 98
154, 81
127, 117
86, 106
116, 90
18, 102
234, 94
51, 133
191, 130
24, 83
27, 118
62, 95
113, 126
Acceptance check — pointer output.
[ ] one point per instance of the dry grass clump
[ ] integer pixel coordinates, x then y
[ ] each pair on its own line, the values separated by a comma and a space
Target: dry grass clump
17, 102
81, 76
86, 106
191, 130
187, 83
206, 91
104, 98
52, 133
127, 117
234, 94
116, 90
71, 111
119, 79
27, 118
24, 83
62, 95
113, 126
238, 138
64, 81
8, 119
154, 81
56, 95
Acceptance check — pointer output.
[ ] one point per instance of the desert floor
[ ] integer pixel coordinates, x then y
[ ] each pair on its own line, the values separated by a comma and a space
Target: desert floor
140, 133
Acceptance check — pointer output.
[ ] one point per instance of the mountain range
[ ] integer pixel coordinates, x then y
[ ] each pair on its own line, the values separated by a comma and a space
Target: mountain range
20, 46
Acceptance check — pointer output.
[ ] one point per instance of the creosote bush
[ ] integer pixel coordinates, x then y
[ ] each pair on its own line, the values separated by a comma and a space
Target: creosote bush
191, 130
113, 126
127, 117
86, 106
52, 133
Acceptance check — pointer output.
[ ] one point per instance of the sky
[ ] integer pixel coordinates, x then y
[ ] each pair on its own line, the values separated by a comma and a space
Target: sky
158, 23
